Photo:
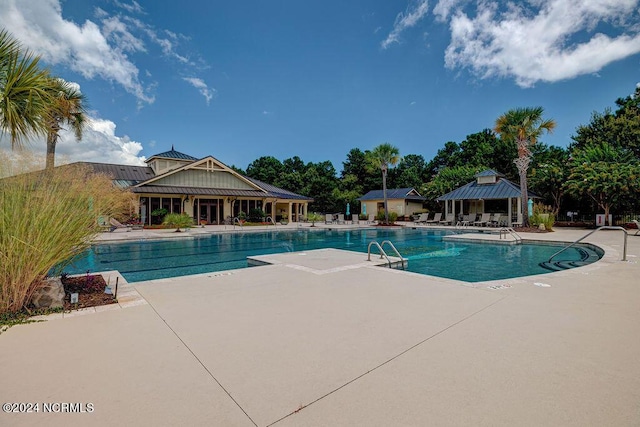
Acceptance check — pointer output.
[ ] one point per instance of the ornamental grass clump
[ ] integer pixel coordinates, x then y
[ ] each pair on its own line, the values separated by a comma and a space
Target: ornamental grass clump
47, 218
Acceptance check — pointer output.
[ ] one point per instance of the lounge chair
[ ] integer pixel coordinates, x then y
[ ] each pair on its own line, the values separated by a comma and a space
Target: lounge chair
436, 219
355, 219
340, 218
465, 221
448, 220
422, 218
637, 226
328, 219
372, 219
483, 221
115, 224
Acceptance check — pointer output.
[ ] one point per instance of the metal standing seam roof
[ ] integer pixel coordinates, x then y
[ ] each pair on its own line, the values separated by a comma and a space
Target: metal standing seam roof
393, 193
502, 189
173, 154
488, 172
199, 191
127, 175
278, 192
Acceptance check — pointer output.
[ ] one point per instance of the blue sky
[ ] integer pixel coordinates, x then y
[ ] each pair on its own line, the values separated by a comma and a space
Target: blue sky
240, 80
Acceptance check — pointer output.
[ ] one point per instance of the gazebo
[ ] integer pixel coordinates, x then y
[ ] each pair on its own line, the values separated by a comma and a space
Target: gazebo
491, 192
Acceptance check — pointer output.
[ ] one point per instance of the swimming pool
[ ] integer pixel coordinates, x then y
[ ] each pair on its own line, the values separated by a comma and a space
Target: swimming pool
426, 250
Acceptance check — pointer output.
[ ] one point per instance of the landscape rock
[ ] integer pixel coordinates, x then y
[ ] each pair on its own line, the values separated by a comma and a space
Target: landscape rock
50, 295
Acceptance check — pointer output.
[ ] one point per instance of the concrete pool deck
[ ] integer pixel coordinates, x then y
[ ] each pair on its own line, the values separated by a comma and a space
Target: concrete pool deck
281, 345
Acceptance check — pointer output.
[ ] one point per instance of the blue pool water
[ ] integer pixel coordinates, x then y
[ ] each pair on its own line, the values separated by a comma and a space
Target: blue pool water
425, 249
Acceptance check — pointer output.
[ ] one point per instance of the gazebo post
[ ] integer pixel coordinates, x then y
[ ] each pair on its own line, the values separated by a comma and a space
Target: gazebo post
509, 210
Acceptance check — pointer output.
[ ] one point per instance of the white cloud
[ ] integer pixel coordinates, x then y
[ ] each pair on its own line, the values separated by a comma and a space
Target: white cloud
83, 48
444, 8
206, 91
548, 40
105, 48
99, 144
415, 11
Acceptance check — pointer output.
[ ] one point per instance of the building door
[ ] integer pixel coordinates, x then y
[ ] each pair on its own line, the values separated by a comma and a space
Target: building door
210, 211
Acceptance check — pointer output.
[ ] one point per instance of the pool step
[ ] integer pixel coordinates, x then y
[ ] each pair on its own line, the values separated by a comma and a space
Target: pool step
587, 256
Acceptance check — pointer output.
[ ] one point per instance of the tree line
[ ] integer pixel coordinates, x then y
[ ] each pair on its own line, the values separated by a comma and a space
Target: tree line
598, 171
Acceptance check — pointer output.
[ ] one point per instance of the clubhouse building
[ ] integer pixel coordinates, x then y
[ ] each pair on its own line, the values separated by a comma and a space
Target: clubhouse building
205, 189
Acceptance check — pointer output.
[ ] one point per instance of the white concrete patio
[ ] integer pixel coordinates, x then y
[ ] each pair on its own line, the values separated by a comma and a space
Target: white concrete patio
350, 346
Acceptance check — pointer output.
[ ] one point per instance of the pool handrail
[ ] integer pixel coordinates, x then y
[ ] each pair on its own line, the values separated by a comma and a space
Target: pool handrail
383, 254
604, 227
511, 231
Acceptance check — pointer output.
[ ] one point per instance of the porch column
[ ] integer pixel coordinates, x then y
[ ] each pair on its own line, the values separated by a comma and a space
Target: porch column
290, 218
304, 209
509, 211
454, 212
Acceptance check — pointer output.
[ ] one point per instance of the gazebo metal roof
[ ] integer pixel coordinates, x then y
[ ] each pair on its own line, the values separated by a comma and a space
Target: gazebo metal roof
502, 189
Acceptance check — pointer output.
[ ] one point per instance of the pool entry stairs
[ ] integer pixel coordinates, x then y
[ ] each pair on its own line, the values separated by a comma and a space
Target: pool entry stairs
587, 256
397, 263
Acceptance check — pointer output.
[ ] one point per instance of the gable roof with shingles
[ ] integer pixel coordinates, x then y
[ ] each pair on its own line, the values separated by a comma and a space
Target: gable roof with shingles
394, 193
501, 189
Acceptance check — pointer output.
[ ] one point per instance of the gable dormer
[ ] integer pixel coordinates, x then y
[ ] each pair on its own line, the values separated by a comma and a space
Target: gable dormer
169, 160
488, 176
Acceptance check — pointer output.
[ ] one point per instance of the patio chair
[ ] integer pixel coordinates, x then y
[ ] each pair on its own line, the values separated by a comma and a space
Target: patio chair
483, 221
448, 220
372, 219
328, 219
637, 226
115, 224
355, 219
422, 218
465, 221
436, 219
340, 218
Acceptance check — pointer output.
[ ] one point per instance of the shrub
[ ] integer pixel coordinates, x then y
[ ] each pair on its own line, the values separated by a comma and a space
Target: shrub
159, 212
393, 216
46, 218
542, 215
314, 217
256, 215
178, 221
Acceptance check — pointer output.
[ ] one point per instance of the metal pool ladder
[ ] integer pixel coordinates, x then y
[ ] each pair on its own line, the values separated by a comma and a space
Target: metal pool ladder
383, 254
512, 232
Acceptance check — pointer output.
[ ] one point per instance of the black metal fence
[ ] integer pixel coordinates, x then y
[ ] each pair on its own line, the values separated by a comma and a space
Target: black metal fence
589, 219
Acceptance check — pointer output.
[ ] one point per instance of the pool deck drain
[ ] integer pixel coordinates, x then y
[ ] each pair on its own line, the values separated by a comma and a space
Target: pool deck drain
324, 261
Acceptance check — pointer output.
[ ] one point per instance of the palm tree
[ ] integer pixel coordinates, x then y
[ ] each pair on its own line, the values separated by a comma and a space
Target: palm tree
68, 107
524, 126
24, 92
382, 157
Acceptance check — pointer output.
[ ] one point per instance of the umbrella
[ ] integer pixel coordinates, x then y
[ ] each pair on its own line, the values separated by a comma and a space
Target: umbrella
364, 209
348, 209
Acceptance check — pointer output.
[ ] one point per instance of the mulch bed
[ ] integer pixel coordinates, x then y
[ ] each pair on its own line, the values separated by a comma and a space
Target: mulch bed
90, 289
529, 230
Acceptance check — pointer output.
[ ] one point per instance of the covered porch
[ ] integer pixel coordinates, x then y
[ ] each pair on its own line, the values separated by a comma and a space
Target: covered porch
490, 193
